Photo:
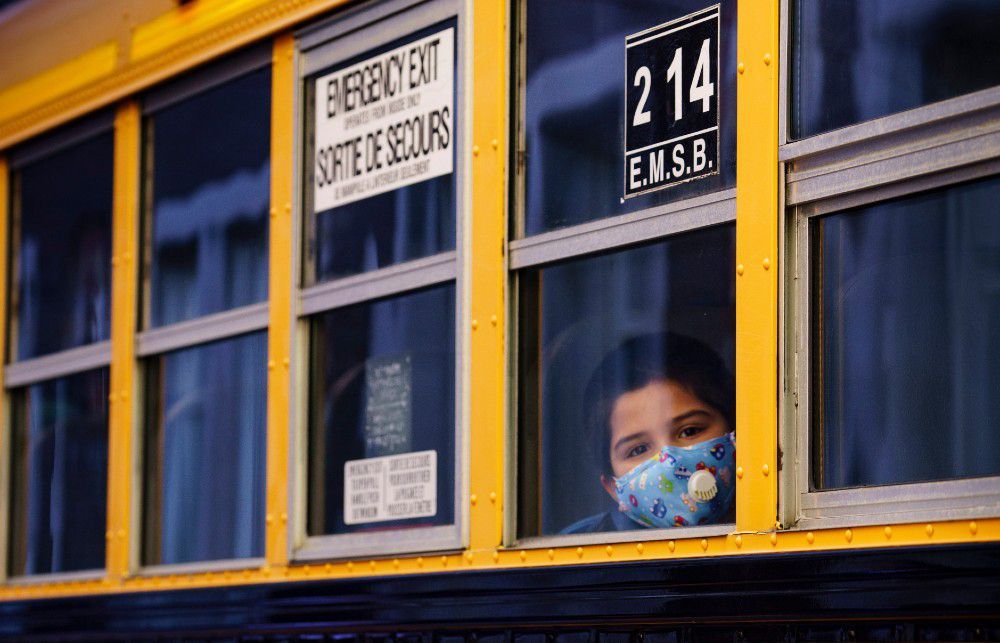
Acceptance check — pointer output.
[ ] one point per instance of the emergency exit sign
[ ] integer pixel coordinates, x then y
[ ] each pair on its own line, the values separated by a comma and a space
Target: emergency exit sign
672, 103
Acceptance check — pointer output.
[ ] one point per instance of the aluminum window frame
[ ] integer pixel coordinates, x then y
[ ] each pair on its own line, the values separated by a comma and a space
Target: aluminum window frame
321, 46
154, 342
928, 147
578, 241
22, 373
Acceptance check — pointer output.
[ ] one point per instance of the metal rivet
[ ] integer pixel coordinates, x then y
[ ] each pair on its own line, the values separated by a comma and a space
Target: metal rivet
704, 544
493, 496
973, 528
121, 533
810, 538
888, 532
285, 362
284, 517
395, 563
766, 263
765, 470
524, 555
774, 539
671, 545
848, 535
288, 207
551, 554
444, 562
328, 567
495, 143
475, 150
274, 212
929, 529
306, 570
114, 261
123, 395
475, 324
496, 555
739, 269
350, 566
739, 472
579, 552
111, 397
270, 365
493, 319
420, 561
639, 547
468, 556
767, 59
472, 499
269, 519
741, 68
609, 550
109, 535
738, 540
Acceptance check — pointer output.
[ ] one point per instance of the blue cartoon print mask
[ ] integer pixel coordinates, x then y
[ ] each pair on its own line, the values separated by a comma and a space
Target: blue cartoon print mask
681, 486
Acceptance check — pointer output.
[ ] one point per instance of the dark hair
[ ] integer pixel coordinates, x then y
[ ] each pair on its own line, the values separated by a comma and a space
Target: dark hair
641, 360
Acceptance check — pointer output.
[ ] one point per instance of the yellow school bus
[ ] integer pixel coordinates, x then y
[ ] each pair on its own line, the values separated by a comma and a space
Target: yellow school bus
443, 320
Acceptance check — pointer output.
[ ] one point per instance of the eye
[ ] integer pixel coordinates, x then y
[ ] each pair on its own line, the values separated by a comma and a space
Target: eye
688, 432
636, 451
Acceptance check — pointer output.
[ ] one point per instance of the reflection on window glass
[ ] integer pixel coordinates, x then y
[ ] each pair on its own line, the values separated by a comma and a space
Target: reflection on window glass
205, 452
59, 456
625, 358
855, 60
209, 198
383, 414
908, 339
574, 107
63, 249
406, 223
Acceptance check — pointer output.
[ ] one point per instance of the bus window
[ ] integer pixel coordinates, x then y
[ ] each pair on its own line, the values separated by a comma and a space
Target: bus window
59, 326
385, 193
624, 270
383, 396
382, 282
207, 178
907, 355
856, 60
625, 357
574, 107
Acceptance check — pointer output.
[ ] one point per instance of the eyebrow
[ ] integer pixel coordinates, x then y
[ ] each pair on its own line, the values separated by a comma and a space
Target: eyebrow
690, 414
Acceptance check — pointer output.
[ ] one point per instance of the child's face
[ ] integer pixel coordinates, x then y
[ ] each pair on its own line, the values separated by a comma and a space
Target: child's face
660, 414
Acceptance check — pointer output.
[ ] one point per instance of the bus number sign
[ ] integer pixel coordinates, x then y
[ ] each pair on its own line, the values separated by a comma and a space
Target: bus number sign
672, 103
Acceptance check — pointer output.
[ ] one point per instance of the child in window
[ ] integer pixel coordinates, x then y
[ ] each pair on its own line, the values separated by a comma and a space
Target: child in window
661, 429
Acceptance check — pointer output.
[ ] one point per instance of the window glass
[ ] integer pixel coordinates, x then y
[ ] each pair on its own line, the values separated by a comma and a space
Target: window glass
621, 355
62, 245
855, 60
205, 452
209, 192
405, 223
907, 323
382, 414
59, 454
574, 107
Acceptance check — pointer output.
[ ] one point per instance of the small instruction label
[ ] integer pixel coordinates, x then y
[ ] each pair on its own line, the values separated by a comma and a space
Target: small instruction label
392, 487
388, 412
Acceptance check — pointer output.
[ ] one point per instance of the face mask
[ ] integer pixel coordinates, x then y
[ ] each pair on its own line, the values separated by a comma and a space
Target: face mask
681, 486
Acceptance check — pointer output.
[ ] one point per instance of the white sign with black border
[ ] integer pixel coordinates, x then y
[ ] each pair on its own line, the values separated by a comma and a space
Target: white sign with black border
385, 122
672, 103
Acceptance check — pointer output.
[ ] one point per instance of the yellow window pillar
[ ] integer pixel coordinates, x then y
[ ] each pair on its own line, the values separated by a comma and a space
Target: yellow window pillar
757, 228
